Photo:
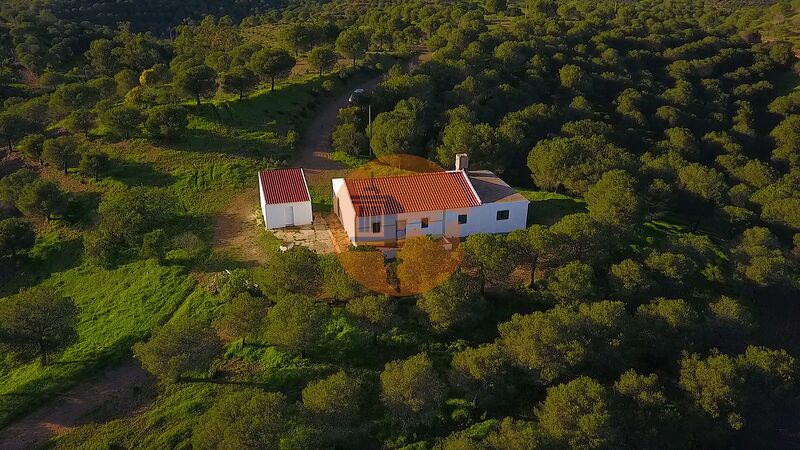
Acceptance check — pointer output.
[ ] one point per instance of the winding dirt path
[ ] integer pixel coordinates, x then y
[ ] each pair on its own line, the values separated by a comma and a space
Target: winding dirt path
315, 148
119, 392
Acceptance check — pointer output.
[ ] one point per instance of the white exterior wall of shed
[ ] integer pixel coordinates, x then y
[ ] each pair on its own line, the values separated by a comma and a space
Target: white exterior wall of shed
276, 215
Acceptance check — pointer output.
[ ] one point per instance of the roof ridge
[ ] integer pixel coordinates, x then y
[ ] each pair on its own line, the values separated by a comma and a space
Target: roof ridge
416, 174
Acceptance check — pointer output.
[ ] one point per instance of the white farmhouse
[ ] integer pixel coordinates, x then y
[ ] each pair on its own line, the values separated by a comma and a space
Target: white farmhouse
384, 211
285, 200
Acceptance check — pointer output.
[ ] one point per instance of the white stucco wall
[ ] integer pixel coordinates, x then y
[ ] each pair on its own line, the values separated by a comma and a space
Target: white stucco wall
275, 215
483, 219
480, 219
343, 207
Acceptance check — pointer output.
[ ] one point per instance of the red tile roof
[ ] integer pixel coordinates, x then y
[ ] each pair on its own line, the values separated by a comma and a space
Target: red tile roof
283, 186
411, 193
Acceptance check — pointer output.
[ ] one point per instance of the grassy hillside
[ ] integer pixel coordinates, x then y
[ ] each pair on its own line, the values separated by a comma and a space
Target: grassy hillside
117, 307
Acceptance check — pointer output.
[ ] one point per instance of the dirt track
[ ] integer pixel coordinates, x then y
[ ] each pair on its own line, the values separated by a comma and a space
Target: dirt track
119, 392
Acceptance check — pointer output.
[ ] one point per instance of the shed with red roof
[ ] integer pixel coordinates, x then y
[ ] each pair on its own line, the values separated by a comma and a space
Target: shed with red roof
285, 199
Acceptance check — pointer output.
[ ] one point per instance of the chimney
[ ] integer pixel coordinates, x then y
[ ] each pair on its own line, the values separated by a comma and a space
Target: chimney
462, 161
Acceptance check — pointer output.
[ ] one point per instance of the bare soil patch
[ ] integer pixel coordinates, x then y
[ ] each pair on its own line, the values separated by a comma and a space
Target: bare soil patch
120, 392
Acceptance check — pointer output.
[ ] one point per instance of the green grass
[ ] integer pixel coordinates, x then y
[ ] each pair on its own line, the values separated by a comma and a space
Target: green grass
116, 308
547, 208
166, 424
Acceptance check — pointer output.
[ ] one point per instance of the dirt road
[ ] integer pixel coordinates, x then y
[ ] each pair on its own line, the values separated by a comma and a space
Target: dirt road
315, 148
119, 392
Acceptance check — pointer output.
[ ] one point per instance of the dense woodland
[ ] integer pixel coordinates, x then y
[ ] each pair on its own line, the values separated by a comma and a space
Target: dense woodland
650, 304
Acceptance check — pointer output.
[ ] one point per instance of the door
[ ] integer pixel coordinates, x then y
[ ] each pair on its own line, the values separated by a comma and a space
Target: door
400, 230
289, 216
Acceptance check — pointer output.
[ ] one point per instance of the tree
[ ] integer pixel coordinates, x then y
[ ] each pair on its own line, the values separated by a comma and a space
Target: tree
481, 372
759, 258
12, 127
411, 391
348, 139
424, 263
705, 187
80, 121
126, 80
577, 414
518, 435
245, 419
166, 121
15, 235
352, 43
460, 136
322, 59
294, 323
296, 36
38, 322
43, 198
336, 282
198, 81
400, 130
741, 390
488, 256
531, 246
270, 64
454, 302
182, 345
648, 419
73, 96
551, 344
60, 151
578, 237
122, 120
239, 80
92, 164
242, 315
665, 327
495, 6
575, 163
31, 146
629, 278
571, 282
296, 270
155, 75
573, 77
12, 185
334, 400
614, 200
373, 312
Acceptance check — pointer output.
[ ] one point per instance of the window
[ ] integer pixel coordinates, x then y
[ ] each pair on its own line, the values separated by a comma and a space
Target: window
462, 219
502, 215
424, 222
376, 227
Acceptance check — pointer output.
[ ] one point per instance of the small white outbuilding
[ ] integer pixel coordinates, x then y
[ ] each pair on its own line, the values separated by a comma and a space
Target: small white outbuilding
285, 199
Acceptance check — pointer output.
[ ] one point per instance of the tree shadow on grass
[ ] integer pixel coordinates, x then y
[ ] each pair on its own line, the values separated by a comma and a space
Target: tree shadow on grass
139, 174
81, 207
43, 261
550, 211
252, 144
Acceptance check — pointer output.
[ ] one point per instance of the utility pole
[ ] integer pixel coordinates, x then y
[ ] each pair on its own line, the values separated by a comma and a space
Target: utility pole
369, 121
